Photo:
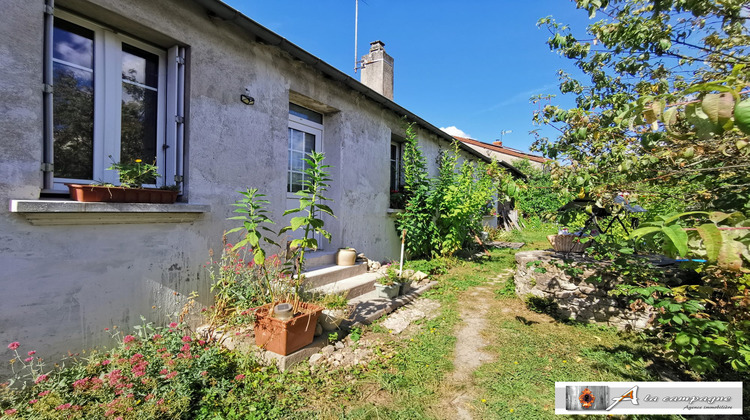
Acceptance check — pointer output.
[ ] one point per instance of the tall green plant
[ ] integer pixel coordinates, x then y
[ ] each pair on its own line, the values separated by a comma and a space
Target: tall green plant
417, 216
254, 217
312, 206
441, 213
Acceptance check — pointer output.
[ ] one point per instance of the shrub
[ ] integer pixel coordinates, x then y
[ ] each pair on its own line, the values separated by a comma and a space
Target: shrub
442, 213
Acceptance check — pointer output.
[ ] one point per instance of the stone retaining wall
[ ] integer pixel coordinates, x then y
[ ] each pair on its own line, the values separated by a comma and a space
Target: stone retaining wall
538, 274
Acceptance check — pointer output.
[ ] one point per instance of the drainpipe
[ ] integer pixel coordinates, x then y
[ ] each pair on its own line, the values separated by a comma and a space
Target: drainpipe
48, 158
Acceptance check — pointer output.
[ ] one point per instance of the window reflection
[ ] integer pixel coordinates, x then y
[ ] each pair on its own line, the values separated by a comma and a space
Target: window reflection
140, 74
73, 101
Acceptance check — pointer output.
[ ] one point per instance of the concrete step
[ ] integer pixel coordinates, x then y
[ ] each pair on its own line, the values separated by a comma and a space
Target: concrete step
314, 259
331, 273
351, 287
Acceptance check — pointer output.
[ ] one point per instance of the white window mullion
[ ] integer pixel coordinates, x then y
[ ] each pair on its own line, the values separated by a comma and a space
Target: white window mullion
110, 122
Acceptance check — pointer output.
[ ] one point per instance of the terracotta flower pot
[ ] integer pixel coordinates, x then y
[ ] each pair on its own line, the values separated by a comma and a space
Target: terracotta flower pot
285, 337
99, 193
346, 256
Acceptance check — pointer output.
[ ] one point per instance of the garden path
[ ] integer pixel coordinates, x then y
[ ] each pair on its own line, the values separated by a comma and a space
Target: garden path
476, 305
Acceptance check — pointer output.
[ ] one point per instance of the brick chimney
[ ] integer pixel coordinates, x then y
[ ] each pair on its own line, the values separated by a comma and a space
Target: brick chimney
377, 70
498, 143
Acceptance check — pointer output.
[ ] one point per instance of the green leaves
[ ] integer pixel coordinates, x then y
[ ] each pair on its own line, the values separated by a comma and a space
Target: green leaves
711, 240
678, 237
742, 116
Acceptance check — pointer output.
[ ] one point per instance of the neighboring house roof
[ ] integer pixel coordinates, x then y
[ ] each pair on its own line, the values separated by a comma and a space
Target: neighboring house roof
503, 150
219, 10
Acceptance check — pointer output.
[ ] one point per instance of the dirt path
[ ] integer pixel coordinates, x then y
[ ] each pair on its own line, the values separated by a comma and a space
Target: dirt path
476, 305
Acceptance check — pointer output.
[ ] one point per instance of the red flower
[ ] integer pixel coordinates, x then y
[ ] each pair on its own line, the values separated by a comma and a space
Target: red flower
239, 377
186, 339
32, 352
34, 401
28, 359
14, 345
41, 378
172, 325
128, 338
10, 411
171, 375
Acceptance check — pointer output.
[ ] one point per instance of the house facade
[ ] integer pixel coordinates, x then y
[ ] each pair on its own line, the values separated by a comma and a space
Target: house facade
219, 103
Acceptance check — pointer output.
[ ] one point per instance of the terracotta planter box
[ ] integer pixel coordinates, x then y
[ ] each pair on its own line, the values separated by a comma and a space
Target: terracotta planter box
285, 337
98, 193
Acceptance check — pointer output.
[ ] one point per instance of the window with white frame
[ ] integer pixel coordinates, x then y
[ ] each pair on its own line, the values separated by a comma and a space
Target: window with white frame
305, 136
115, 99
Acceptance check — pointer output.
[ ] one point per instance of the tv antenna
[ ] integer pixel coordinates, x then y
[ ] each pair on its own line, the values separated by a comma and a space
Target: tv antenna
357, 62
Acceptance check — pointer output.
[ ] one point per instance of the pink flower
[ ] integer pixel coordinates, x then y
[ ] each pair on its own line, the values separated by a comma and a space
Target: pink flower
128, 338
239, 377
63, 406
32, 352
186, 339
41, 394
14, 345
10, 411
105, 362
172, 324
163, 372
28, 359
156, 336
171, 375
34, 401
41, 378
204, 373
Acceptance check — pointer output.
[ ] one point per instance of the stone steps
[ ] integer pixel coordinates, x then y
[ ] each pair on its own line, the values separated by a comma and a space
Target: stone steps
331, 273
351, 287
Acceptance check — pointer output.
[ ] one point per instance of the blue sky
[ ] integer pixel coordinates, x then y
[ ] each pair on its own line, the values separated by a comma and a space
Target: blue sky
469, 64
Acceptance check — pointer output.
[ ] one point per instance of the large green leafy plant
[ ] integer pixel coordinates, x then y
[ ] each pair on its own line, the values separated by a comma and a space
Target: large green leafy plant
443, 213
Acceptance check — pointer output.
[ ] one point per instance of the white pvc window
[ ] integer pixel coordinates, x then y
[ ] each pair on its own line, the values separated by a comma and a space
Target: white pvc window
111, 97
305, 136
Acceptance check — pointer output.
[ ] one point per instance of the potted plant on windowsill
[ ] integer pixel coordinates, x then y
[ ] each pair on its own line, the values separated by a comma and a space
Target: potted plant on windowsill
132, 177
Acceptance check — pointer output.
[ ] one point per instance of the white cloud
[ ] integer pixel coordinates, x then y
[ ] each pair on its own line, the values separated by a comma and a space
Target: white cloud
456, 132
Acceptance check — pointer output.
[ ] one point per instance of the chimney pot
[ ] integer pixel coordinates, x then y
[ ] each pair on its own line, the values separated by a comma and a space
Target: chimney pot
377, 70
498, 143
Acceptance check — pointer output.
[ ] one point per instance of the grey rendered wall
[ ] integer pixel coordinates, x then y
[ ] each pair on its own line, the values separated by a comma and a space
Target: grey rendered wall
62, 285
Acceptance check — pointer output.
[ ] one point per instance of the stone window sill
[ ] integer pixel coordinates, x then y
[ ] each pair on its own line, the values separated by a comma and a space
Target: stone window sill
393, 212
66, 212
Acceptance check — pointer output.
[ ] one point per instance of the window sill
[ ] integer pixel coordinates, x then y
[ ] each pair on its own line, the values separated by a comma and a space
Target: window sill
393, 212
66, 212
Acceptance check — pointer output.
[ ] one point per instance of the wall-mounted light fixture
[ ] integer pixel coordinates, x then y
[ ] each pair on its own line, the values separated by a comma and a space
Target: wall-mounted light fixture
247, 100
